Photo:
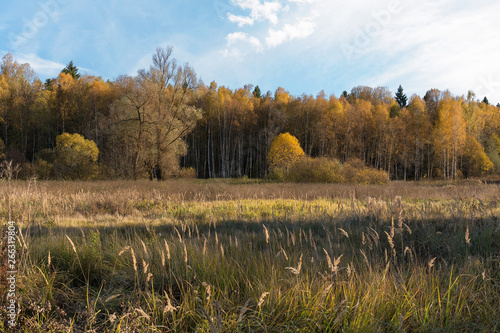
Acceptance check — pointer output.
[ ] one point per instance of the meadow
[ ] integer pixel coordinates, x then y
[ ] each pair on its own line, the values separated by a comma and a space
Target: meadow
250, 256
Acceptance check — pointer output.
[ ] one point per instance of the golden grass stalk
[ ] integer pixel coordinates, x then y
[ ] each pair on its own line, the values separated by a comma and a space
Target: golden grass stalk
169, 308
336, 263
143, 314
112, 297
163, 258
344, 232
294, 270
284, 252
431, 262
262, 298
185, 254
145, 266
467, 238
178, 234
328, 260
134, 260
266, 232
167, 248
72, 244
144, 248
327, 290
123, 250
48, 260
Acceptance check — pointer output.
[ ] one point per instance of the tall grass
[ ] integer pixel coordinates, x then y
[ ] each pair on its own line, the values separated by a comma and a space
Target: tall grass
220, 257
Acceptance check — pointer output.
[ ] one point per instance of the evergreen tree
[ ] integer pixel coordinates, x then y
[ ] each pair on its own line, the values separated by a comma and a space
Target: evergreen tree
257, 92
72, 70
485, 101
401, 97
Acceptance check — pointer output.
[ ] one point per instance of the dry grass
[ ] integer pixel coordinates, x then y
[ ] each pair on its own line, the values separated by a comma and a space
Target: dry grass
226, 256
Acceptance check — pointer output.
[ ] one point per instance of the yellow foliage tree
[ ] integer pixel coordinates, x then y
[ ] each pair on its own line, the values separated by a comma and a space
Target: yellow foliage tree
76, 157
285, 150
475, 160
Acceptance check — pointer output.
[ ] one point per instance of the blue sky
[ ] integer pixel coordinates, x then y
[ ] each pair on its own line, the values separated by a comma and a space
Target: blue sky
302, 45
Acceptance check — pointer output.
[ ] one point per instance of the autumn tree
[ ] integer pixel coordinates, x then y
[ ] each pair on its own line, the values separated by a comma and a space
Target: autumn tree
475, 160
19, 87
75, 157
449, 135
285, 150
159, 109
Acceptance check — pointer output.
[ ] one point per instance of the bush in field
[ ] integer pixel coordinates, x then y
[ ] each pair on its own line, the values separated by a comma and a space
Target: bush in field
355, 171
371, 176
475, 160
285, 150
75, 157
187, 173
313, 170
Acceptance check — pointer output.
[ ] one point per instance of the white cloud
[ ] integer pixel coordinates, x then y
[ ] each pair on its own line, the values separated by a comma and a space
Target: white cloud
430, 49
300, 30
259, 11
240, 20
238, 41
40, 66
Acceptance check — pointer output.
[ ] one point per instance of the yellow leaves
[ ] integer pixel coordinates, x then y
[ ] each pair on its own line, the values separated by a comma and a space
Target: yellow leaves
285, 150
476, 162
78, 144
282, 96
76, 156
65, 81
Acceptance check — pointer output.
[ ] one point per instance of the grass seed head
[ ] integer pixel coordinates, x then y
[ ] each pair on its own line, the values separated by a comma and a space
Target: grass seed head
167, 248
144, 248
344, 232
72, 244
262, 298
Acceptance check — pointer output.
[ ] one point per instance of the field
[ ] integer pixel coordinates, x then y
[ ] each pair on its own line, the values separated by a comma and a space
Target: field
243, 255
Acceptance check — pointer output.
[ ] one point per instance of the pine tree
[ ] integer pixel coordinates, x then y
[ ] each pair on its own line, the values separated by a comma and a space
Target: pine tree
401, 97
72, 70
485, 101
257, 92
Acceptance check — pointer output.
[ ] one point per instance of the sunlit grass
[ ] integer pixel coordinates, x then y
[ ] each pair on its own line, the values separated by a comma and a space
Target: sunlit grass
195, 256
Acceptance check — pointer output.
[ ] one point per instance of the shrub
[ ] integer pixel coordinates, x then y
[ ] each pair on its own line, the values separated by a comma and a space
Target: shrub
313, 170
355, 171
76, 157
43, 169
475, 160
371, 176
285, 150
188, 173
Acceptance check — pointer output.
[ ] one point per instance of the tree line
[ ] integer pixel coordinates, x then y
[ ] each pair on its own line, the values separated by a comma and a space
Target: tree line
165, 120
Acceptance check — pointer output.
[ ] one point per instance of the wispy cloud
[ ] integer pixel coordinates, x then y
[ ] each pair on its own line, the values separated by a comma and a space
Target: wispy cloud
259, 11
299, 30
41, 66
236, 37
